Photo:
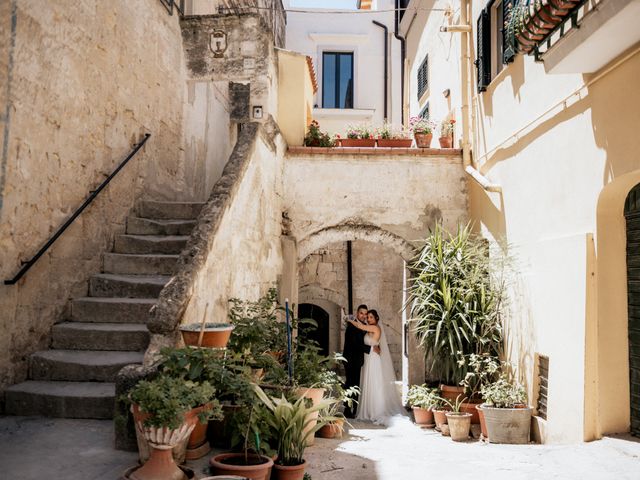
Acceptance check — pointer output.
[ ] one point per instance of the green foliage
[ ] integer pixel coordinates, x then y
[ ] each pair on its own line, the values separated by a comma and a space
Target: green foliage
390, 132
307, 476
482, 370
503, 393
317, 138
287, 422
455, 300
167, 399
421, 396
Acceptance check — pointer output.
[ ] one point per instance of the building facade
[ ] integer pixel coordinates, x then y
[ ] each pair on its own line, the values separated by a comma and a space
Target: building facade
552, 166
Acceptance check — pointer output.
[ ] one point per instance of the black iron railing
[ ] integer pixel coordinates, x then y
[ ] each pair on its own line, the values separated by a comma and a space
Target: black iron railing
171, 4
93, 194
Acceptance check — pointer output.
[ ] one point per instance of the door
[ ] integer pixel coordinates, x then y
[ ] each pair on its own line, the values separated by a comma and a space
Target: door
632, 214
320, 334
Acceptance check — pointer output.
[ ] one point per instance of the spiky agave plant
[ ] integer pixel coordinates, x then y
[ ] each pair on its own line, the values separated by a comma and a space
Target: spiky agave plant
288, 423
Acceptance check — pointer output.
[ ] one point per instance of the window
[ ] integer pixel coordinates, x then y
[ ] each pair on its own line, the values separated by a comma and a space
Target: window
543, 386
423, 77
424, 113
494, 47
337, 80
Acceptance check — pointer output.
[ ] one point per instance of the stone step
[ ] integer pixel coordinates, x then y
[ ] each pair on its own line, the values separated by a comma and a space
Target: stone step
131, 286
169, 210
149, 244
111, 310
80, 365
151, 226
140, 264
99, 336
61, 399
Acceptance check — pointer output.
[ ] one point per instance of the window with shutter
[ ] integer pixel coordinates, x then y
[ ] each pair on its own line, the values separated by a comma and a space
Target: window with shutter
423, 76
424, 113
483, 61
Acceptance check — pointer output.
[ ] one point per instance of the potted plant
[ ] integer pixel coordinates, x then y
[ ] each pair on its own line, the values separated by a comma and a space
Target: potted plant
332, 415
209, 335
423, 400
459, 422
455, 303
447, 128
389, 136
165, 411
422, 129
506, 413
317, 138
483, 369
359, 136
288, 424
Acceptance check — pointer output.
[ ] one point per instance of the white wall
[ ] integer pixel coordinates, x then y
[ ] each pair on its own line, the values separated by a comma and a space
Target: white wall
313, 33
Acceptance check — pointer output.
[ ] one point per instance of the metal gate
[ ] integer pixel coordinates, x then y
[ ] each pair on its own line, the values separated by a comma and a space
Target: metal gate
632, 215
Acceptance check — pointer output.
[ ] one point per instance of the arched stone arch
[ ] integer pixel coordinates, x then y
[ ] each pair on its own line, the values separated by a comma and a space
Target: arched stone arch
348, 231
610, 346
331, 301
310, 293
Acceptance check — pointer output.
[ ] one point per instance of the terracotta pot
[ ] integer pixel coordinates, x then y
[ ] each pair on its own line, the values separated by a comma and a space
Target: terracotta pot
315, 394
188, 473
508, 425
451, 392
358, 142
446, 142
162, 440
440, 417
282, 472
215, 336
483, 424
233, 464
459, 425
331, 430
395, 142
470, 408
197, 446
423, 140
220, 430
423, 416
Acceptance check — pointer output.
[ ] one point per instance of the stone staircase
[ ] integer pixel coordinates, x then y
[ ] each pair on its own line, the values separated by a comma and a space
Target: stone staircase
107, 329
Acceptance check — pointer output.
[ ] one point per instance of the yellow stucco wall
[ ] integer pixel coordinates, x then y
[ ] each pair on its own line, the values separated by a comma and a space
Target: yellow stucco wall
295, 96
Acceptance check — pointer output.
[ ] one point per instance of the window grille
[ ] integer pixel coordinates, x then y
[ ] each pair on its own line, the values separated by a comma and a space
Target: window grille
543, 385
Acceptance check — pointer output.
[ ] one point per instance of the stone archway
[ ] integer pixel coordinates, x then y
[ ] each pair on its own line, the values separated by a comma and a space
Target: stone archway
610, 352
352, 231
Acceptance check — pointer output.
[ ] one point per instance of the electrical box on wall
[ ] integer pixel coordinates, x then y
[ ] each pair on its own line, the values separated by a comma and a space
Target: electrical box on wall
257, 112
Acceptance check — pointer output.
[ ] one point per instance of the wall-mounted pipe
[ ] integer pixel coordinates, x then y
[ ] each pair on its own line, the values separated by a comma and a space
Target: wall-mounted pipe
386, 66
403, 56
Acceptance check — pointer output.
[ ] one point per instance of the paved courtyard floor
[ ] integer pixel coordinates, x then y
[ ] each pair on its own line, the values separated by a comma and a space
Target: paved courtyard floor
56, 449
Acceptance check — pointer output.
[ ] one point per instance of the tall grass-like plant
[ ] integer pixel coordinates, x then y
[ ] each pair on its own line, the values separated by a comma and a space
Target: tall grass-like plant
455, 301
288, 421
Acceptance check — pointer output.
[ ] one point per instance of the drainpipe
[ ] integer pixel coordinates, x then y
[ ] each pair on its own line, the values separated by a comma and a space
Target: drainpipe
386, 63
349, 277
470, 166
403, 56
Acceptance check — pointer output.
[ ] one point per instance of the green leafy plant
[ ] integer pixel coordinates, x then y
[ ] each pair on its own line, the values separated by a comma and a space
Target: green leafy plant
167, 399
317, 138
503, 393
482, 369
359, 132
455, 405
420, 125
421, 396
389, 132
447, 127
287, 421
455, 301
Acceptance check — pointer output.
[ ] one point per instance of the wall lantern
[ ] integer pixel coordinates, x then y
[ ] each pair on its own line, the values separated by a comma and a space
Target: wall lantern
218, 43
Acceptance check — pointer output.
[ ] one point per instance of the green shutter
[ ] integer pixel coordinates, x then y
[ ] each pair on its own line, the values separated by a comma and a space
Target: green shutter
483, 62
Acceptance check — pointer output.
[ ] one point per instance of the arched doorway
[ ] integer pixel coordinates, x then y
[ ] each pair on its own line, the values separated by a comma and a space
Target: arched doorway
319, 334
632, 217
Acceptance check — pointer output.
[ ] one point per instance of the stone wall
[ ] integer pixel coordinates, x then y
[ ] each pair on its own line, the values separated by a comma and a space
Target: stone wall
235, 249
377, 282
81, 82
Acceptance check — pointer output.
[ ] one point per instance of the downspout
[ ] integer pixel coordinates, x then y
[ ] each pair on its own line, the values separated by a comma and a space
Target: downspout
349, 277
403, 56
386, 63
470, 166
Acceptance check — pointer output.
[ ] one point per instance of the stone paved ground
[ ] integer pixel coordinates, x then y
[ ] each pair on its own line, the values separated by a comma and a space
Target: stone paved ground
56, 449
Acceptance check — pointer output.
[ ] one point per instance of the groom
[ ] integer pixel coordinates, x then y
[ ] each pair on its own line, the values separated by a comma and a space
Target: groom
354, 352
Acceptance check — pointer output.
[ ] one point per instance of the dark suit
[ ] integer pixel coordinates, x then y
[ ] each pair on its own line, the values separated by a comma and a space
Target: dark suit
354, 351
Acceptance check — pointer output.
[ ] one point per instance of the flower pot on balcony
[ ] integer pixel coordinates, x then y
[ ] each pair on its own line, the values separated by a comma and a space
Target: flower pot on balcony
446, 142
216, 335
423, 140
358, 142
395, 142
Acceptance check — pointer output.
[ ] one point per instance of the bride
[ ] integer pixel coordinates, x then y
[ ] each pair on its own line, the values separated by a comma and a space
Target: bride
379, 398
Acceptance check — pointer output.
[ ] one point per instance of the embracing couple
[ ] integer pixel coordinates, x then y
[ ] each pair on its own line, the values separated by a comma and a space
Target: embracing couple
369, 366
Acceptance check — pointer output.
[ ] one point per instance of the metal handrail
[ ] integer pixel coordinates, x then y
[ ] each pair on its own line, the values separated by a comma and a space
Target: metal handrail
169, 4
27, 265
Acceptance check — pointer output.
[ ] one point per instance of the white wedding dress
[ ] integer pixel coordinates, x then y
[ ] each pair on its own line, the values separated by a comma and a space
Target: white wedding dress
379, 399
